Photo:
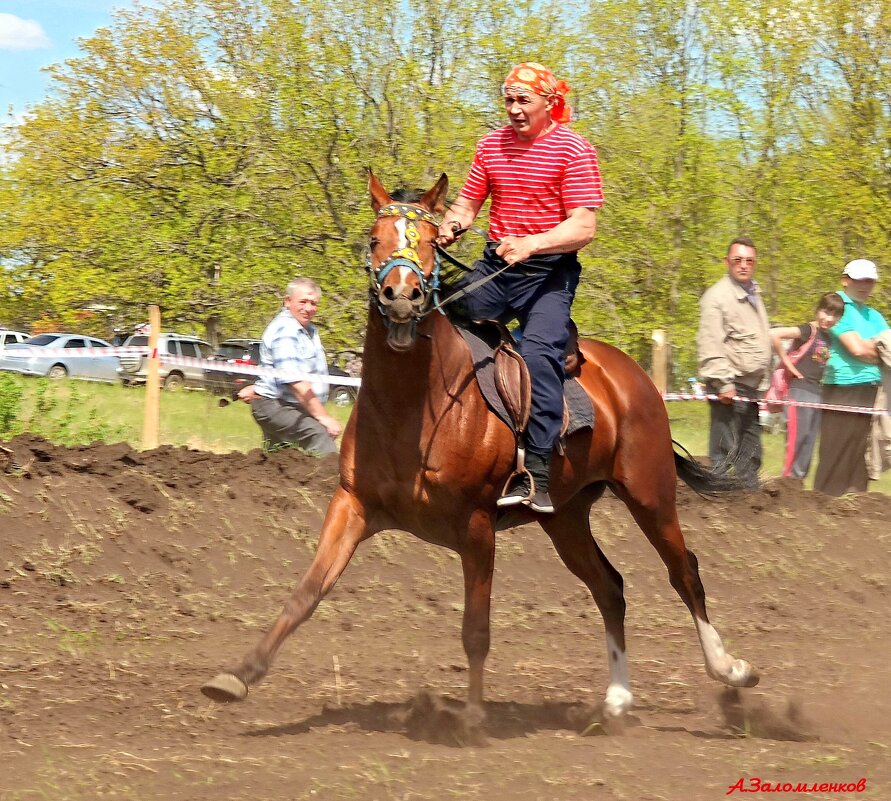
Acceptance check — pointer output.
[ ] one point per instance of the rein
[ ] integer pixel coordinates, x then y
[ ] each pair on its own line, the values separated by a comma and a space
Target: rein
409, 257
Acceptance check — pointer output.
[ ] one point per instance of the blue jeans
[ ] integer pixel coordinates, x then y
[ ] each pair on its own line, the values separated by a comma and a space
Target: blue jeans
539, 294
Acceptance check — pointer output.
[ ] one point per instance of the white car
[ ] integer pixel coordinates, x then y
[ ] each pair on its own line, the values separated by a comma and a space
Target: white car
45, 355
11, 337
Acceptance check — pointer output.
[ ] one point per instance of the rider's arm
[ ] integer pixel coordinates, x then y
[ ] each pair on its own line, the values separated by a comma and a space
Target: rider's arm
570, 236
461, 214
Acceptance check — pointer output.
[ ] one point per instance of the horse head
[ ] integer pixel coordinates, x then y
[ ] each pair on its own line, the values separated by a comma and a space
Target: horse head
403, 265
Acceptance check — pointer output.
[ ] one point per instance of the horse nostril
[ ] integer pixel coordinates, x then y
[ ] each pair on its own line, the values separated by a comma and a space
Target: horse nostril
416, 295
389, 294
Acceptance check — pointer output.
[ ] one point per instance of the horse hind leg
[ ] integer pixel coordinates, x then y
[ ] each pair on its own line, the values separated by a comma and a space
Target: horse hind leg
343, 530
570, 531
659, 522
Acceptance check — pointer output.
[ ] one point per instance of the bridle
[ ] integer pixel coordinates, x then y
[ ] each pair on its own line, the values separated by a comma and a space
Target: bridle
407, 257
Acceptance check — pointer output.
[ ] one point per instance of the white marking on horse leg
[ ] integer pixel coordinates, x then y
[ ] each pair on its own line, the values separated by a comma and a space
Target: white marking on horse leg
718, 663
400, 229
618, 694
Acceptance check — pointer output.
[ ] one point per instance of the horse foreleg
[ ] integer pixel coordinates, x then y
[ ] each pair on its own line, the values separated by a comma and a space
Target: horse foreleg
478, 563
343, 530
660, 524
570, 531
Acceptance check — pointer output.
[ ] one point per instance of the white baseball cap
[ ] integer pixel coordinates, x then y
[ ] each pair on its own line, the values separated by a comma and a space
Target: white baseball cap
861, 269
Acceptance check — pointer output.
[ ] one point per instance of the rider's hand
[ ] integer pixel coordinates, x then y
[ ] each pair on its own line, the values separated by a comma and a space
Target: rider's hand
796, 372
515, 249
448, 233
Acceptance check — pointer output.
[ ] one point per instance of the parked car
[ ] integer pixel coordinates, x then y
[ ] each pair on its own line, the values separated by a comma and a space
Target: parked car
8, 337
28, 357
134, 367
221, 381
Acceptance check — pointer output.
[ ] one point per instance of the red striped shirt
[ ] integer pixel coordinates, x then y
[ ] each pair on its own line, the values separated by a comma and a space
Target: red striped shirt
535, 184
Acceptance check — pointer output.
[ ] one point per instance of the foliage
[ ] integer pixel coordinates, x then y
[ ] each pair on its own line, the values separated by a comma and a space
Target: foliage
10, 404
199, 153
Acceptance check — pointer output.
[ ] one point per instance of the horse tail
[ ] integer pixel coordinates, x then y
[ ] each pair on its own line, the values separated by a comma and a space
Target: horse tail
702, 479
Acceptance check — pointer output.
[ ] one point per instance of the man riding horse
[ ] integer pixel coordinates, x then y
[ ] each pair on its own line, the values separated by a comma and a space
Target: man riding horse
545, 185
423, 453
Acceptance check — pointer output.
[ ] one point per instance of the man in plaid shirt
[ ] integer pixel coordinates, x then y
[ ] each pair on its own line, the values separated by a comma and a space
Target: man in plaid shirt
289, 408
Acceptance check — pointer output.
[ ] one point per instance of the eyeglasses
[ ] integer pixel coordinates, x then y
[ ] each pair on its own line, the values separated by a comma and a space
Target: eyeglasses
750, 262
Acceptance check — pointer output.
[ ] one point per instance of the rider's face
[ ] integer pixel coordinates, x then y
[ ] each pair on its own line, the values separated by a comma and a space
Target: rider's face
529, 114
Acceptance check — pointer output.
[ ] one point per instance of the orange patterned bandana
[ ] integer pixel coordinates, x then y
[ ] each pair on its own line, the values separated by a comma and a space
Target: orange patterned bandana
532, 77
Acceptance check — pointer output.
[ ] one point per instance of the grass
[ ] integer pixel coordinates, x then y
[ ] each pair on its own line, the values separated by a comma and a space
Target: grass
73, 412
77, 412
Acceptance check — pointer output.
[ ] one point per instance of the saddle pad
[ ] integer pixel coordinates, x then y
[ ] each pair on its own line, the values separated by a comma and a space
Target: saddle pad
581, 410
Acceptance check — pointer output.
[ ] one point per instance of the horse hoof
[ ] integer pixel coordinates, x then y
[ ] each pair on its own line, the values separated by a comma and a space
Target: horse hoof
617, 702
740, 674
225, 688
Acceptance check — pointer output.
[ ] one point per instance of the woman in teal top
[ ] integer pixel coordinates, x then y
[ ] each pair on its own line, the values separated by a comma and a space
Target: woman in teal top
852, 378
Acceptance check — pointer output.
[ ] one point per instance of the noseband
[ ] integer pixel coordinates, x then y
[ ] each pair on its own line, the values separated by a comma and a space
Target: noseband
407, 257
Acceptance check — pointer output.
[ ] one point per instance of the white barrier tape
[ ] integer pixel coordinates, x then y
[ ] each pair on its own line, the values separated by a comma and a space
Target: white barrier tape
28, 351
350, 381
187, 361
830, 407
258, 370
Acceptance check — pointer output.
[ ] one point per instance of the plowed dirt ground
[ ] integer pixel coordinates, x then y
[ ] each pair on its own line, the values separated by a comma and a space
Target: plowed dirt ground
128, 579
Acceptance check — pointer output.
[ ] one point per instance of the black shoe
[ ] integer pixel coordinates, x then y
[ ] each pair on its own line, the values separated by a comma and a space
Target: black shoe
541, 502
517, 493
540, 470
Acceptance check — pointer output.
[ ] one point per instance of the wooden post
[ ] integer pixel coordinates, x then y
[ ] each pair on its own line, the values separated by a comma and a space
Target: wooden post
660, 360
152, 422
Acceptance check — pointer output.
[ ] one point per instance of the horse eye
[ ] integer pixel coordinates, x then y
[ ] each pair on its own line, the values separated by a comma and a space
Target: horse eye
374, 242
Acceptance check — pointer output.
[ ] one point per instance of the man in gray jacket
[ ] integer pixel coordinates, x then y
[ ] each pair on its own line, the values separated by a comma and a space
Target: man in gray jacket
734, 361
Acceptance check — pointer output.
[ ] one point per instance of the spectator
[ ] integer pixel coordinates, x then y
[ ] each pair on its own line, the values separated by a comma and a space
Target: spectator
734, 359
290, 410
811, 342
852, 378
878, 454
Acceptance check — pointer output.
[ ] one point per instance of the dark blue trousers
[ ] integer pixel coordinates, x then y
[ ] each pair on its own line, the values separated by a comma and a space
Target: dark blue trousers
538, 293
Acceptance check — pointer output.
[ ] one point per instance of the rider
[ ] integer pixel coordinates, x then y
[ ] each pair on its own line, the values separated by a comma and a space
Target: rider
544, 182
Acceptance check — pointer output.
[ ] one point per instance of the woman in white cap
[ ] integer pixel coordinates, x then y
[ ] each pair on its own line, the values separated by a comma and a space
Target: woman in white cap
852, 378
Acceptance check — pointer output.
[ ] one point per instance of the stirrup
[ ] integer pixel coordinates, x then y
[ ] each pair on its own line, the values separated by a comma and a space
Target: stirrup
520, 485
518, 494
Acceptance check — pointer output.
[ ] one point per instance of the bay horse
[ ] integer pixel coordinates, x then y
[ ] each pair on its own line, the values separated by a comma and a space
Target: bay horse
423, 453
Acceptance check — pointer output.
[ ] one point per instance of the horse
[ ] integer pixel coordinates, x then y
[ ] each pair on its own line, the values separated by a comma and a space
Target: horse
423, 453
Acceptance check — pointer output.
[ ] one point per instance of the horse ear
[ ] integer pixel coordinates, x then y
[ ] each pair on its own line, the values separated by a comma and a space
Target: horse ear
434, 199
379, 196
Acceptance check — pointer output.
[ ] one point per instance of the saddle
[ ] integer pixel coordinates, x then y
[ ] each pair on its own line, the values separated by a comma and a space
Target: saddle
504, 378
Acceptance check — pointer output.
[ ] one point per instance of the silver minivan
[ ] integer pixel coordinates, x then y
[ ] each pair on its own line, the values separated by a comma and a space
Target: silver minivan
173, 376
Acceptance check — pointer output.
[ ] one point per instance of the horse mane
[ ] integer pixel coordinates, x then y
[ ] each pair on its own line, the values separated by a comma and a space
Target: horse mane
406, 195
